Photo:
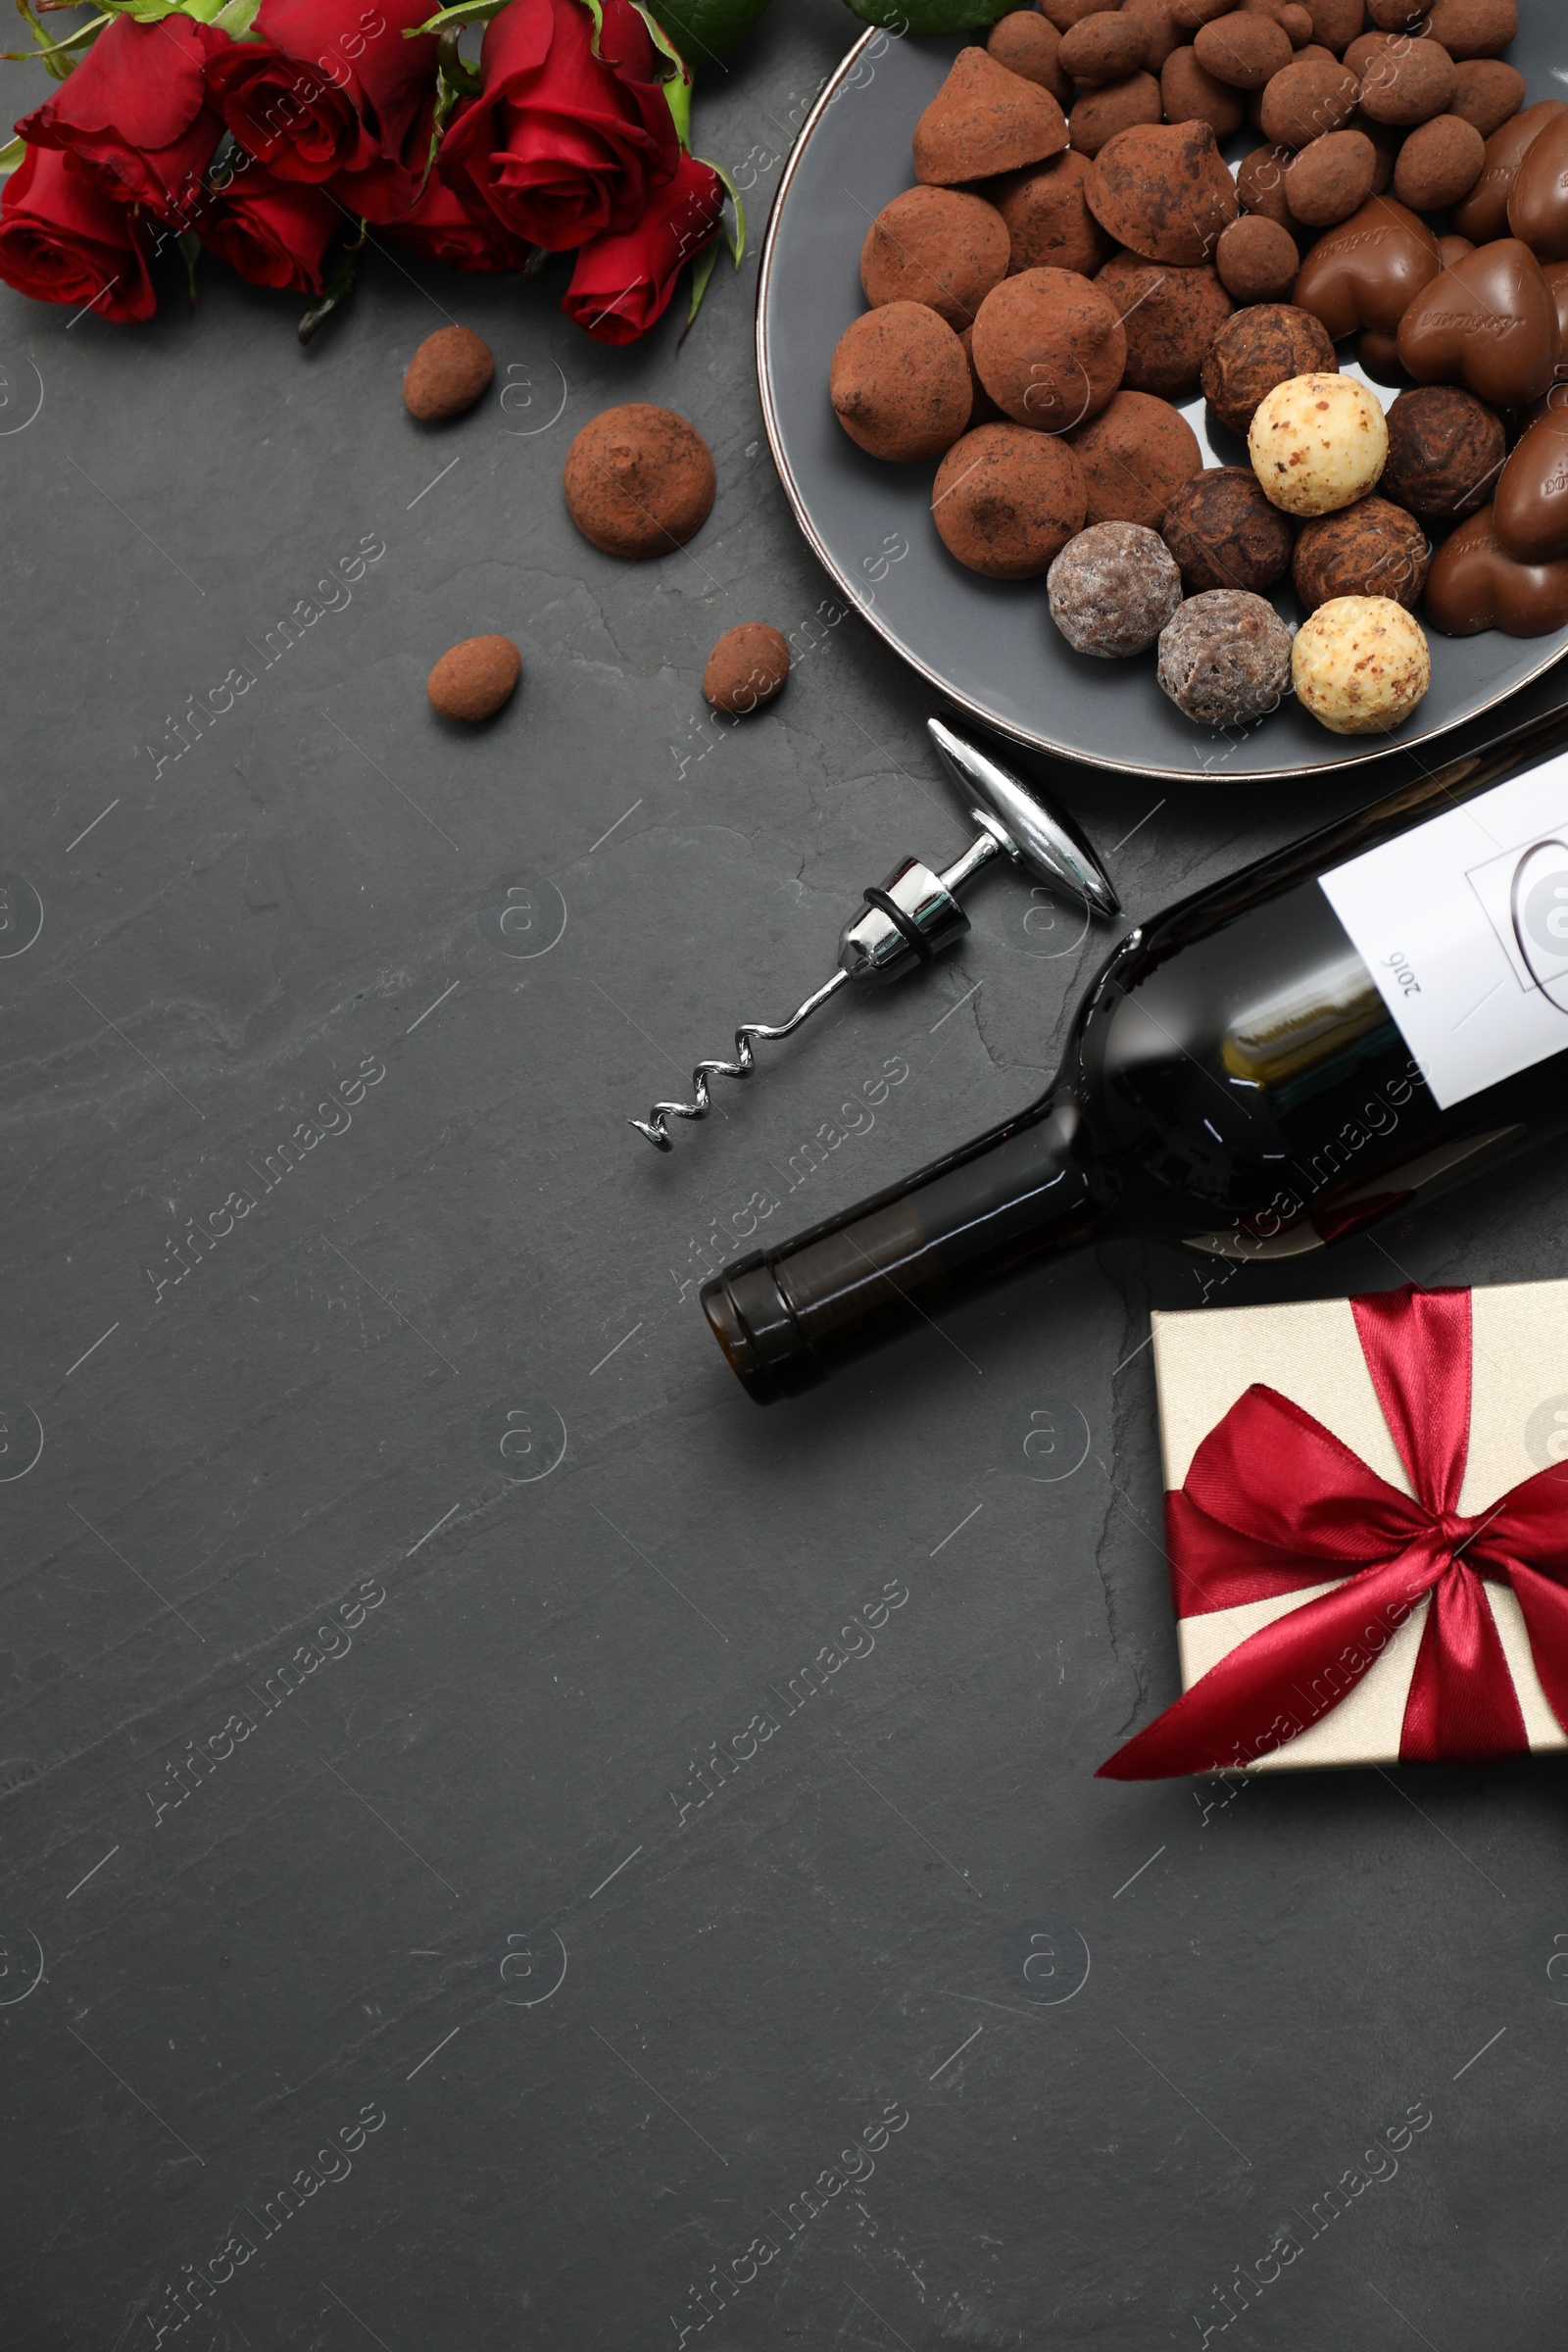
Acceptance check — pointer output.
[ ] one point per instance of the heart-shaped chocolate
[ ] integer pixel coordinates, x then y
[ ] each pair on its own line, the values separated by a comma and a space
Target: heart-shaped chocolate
1530, 513
1484, 213
1537, 202
1490, 322
1475, 585
1367, 271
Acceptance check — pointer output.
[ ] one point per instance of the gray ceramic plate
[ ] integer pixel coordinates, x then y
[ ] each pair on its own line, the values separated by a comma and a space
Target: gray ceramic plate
989, 647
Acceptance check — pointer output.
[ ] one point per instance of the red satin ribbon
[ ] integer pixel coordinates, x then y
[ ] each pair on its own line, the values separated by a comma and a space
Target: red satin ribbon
1273, 1504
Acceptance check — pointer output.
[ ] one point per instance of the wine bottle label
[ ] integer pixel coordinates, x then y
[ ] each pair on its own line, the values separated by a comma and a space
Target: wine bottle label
1463, 925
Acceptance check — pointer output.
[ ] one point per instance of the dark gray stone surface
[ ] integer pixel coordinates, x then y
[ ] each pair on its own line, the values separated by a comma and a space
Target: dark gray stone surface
426, 1478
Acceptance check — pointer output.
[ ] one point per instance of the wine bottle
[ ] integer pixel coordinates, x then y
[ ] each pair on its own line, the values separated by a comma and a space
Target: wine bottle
1353, 1023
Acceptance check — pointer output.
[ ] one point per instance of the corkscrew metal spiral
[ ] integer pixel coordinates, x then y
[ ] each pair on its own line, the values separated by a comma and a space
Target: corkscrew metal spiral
915, 913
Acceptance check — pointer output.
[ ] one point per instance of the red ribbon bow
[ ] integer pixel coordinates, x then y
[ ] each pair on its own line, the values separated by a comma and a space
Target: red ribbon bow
1273, 1502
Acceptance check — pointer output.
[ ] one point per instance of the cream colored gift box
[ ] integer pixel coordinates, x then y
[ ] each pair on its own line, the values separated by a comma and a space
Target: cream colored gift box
1203, 1361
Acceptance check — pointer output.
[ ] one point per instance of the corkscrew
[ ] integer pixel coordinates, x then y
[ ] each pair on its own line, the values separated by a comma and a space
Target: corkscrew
906, 922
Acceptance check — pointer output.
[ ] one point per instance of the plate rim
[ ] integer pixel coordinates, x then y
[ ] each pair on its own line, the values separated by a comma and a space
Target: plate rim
1374, 746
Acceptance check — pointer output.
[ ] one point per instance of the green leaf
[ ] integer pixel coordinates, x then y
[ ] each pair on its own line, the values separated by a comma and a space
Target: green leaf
47, 51
931, 15
467, 11
12, 154
702, 273
236, 19
455, 71
702, 30
737, 233
190, 247
336, 291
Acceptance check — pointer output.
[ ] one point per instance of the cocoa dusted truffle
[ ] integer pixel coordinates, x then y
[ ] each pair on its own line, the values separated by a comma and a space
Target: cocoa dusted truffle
1308, 99
450, 370
1439, 163
640, 481
1113, 590
900, 382
747, 666
1371, 549
1115, 106
937, 246
1332, 178
1409, 82
1244, 49
1105, 47
1171, 318
1258, 349
1260, 183
1257, 260
1191, 95
1489, 94
1049, 348
1335, 23
1225, 658
1445, 450
983, 121
1474, 28
1048, 220
1225, 533
1135, 454
473, 680
1007, 501
1027, 43
1162, 191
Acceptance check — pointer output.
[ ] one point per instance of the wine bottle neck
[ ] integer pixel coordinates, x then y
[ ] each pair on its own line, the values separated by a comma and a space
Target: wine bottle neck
788, 1318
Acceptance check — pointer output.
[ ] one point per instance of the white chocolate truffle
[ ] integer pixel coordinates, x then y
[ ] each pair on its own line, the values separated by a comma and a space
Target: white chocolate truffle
1360, 665
1318, 443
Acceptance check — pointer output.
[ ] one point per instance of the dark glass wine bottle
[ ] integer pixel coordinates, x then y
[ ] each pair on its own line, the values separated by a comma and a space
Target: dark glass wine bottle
1370, 1015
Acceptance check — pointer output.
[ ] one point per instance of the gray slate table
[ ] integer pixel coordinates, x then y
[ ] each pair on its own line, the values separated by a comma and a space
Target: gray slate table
389, 1958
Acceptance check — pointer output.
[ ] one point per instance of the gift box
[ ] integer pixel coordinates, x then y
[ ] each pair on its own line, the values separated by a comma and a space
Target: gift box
1366, 1518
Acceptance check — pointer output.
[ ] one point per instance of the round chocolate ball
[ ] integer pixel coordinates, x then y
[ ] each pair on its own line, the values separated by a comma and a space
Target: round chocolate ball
1360, 665
900, 383
1257, 260
1171, 318
1446, 451
1113, 590
1135, 454
1371, 549
747, 667
1258, 349
1224, 532
1225, 658
1005, 501
640, 481
1049, 348
937, 246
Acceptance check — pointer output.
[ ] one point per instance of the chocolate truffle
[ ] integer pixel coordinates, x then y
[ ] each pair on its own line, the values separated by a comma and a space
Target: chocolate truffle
1335, 23
1489, 93
1162, 191
936, 246
983, 410
1409, 82
1537, 202
1225, 658
1171, 318
1048, 220
1098, 115
1050, 348
1113, 590
1256, 350
473, 680
1308, 99
1360, 665
900, 382
1490, 322
1396, 16
1191, 13
1474, 28
1367, 271
1135, 454
983, 121
1370, 548
1318, 443
1257, 260
1530, 512
1445, 450
747, 667
1242, 50
1484, 213
1163, 33
1005, 501
1331, 179
450, 370
1105, 47
1260, 184
1475, 585
1360, 52
1439, 163
1065, 13
1189, 95
1224, 533
640, 481
1028, 44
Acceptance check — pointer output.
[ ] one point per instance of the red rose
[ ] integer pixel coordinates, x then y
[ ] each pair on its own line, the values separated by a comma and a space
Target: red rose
330, 89
623, 282
61, 241
134, 114
561, 144
272, 232
442, 229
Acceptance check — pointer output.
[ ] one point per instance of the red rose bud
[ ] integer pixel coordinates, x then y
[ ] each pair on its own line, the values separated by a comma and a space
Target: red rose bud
623, 282
270, 231
441, 227
61, 241
561, 144
329, 89
134, 114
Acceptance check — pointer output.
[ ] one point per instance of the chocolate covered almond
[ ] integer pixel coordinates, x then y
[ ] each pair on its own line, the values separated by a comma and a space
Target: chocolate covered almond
1484, 213
1162, 190
1530, 513
1538, 205
1490, 322
983, 121
1475, 585
1367, 271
